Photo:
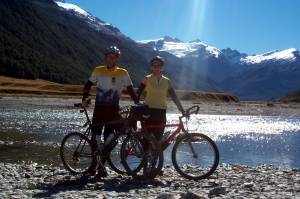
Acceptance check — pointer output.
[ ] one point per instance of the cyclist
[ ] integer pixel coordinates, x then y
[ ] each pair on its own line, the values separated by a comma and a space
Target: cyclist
157, 87
110, 81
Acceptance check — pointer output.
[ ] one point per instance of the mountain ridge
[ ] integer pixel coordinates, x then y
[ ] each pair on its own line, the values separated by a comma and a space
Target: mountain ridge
265, 76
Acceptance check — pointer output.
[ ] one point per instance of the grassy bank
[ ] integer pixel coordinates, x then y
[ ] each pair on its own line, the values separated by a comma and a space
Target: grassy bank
38, 87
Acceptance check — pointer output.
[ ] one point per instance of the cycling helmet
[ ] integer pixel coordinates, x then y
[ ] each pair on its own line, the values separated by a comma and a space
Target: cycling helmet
113, 50
158, 58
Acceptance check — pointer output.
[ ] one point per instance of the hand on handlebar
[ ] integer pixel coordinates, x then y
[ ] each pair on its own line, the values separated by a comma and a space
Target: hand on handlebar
86, 102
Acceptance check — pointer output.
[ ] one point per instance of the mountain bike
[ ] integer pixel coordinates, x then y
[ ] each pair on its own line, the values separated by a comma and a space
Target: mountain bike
194, 155
76, 151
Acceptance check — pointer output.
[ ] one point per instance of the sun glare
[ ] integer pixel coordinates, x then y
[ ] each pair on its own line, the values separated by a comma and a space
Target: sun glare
194, 29
197, 17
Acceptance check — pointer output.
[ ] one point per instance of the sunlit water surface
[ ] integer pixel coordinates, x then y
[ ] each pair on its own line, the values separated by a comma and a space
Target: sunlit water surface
30, 133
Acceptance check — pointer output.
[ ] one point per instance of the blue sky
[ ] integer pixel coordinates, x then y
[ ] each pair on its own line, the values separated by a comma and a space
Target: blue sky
250, 26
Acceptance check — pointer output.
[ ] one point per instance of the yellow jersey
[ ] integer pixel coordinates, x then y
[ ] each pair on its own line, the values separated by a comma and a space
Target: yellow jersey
157, 91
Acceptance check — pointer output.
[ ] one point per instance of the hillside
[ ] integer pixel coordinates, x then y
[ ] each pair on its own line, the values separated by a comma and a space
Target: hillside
38, 39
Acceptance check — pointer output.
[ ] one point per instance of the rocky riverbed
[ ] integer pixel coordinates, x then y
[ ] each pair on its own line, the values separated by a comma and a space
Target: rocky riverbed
31, 180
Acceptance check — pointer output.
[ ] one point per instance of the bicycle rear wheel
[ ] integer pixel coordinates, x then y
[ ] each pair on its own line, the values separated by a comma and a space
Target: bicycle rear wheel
76, 153
195, 156
114, 158
141, 156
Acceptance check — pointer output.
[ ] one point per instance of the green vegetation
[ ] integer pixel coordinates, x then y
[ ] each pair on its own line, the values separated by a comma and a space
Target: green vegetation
39, 40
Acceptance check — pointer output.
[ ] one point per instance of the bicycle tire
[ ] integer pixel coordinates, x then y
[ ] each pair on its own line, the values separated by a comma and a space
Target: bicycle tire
201, 165
114, 158
145, 170
76, 153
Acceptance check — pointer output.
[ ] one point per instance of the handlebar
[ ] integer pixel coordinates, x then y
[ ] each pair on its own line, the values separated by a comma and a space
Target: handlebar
124, 111
192, 110
83, 110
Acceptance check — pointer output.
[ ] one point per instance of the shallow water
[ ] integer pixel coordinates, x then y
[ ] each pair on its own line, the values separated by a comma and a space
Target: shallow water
32, 129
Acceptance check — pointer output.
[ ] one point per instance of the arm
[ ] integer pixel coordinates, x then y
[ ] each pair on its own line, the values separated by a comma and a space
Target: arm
88, 85
141, 88
174, 97
129, 87
86, 89
132, 94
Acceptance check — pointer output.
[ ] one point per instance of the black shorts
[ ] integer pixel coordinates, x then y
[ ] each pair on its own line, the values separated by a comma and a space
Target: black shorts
157, 117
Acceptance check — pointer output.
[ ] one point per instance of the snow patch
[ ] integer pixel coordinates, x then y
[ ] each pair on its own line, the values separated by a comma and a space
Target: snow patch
284, 55
73, 7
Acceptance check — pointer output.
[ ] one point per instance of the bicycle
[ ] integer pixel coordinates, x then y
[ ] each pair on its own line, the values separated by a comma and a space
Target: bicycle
196, 148
76, 151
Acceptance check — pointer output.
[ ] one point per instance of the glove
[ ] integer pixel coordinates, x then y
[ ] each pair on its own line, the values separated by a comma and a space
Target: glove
138, 104
86, 102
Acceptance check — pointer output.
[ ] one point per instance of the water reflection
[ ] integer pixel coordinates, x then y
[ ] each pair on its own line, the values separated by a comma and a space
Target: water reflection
217, 126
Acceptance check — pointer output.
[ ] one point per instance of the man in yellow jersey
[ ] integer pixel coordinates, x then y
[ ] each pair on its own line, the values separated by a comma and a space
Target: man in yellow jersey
110, 81
157, 87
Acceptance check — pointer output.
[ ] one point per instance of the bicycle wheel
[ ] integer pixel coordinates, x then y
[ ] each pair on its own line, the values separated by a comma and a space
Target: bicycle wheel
141, 156
114, 158
76, 153
195, 156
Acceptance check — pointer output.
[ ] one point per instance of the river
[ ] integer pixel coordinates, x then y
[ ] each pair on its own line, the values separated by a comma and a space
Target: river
32, 128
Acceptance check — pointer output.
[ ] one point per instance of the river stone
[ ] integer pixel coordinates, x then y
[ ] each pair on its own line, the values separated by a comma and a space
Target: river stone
31, 185
27, 175
248, 185
190, 195
217, 191
165, 196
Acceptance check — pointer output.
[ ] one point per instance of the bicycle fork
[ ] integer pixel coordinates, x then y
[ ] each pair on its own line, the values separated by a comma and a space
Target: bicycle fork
192, 148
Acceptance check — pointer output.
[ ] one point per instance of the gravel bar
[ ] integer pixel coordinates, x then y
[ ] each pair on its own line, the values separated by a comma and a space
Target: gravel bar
32, 180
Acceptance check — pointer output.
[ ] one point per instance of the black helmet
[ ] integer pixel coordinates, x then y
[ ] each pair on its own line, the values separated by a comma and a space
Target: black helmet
113, 50
158, 58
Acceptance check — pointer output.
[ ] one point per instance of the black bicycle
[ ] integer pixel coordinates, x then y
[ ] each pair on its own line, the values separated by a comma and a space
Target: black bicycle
78, 155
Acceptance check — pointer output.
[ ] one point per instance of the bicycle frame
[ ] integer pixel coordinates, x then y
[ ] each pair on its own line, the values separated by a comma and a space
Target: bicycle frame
180, 126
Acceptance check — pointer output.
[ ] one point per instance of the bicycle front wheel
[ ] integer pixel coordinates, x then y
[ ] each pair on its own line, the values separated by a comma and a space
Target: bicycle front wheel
141, 156
195, 156
76, 153
114, 158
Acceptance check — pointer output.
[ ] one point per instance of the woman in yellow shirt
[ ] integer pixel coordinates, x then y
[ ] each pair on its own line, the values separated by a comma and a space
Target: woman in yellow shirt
157, 87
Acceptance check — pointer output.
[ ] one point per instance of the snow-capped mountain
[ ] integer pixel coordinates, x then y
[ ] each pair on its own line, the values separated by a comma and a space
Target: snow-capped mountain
142, 50
93, 21
248, 76
68, 42
265, 76
182, 49
178, 48
274, 57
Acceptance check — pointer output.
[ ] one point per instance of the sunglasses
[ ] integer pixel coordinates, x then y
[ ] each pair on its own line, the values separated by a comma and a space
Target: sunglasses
156, 65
